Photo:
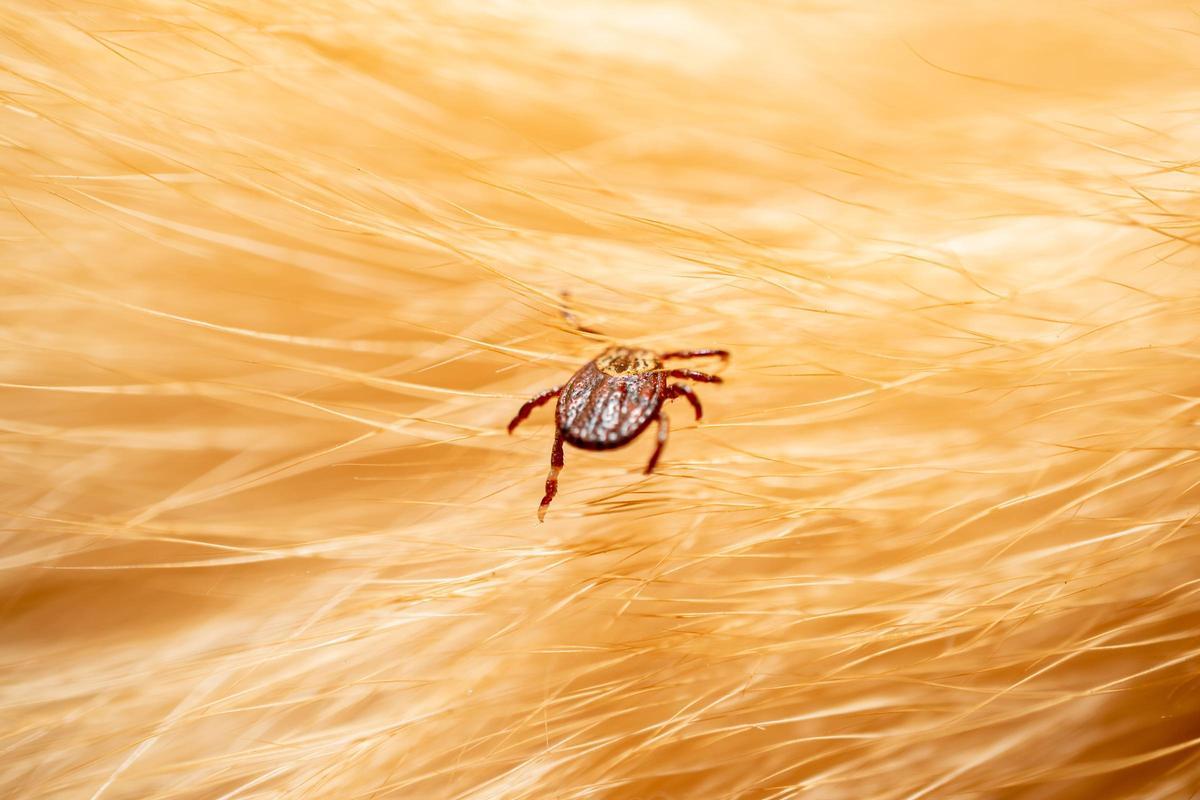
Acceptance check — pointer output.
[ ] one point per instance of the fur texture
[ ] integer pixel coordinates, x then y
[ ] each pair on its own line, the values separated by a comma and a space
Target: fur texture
276, 274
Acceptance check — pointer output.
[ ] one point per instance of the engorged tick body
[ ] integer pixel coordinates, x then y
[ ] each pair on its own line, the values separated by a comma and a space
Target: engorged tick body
611, 400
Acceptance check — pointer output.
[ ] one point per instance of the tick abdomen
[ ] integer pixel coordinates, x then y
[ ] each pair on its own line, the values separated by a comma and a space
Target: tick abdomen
611, 400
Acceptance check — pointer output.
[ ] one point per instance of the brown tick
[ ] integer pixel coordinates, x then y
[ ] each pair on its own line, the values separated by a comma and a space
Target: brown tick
611, 400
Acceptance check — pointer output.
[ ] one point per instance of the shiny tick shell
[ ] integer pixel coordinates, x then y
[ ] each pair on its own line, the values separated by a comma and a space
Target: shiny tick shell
612, 399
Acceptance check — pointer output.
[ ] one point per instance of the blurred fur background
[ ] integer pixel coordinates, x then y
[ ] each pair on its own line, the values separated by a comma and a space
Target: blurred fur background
276, 274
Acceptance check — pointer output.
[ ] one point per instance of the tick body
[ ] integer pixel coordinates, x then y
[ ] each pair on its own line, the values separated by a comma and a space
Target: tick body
611, 400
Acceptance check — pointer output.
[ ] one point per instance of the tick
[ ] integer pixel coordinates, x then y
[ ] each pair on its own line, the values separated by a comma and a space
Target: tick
611, 400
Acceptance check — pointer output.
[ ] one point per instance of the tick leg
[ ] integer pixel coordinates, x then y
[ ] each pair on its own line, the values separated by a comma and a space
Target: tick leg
556, 465
722, 354
664, 427
541, 399
693, 375
570, 317
683, 390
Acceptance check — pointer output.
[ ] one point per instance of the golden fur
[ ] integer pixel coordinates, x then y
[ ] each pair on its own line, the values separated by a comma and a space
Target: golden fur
276, 274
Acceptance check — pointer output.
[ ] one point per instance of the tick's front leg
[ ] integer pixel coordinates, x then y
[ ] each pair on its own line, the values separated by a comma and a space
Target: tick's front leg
693, 375
664, 428
556, 465
541, 399
683, 390
570, 317
721, 354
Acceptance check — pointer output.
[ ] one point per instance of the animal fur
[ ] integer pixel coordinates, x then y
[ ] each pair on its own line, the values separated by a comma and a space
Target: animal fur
276, 274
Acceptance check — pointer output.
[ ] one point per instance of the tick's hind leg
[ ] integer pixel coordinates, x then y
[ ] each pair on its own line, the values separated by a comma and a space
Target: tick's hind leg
721, 354
693, 375
664, 428
539, 400
556, 465
683, 390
